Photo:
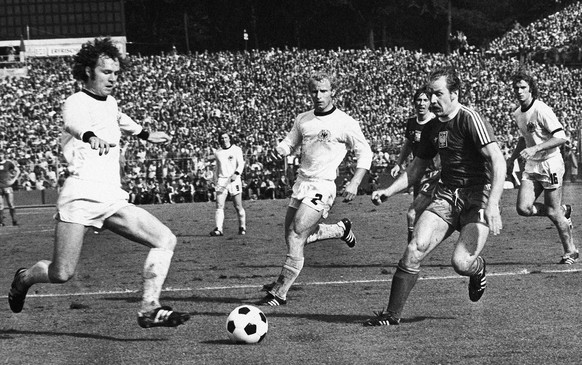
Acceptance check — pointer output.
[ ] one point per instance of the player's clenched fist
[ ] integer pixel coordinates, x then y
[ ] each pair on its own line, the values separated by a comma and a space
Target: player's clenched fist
379, 196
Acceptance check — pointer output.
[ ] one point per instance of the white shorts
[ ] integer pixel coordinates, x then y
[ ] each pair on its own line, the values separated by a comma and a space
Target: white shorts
549, 173
89, 203
223, 184
317, 194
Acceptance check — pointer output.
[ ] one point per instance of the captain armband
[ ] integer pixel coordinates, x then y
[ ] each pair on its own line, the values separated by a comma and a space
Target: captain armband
143, 135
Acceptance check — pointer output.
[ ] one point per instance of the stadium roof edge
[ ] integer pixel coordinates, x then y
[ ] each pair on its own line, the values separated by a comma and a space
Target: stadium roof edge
58, 47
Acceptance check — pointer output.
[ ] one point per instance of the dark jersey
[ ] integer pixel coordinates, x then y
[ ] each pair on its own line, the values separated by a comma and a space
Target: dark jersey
458, 141
413, 133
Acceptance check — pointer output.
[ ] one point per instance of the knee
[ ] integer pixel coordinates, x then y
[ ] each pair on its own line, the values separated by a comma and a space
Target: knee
167, 240
554, 213
462, 264
295, 243
523, 210
412, 257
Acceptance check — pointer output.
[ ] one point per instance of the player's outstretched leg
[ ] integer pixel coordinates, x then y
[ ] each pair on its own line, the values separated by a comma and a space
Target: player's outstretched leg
478, 282
162, 317
18, 292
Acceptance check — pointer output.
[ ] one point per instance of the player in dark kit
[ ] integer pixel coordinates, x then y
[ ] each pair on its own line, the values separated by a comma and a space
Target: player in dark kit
424, 189
466, 198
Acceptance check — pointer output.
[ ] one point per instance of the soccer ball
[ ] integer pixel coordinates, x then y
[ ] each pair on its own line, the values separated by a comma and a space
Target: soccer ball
246, 324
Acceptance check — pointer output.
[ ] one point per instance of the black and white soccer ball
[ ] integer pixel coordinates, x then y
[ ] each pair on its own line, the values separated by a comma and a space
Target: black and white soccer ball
247, 324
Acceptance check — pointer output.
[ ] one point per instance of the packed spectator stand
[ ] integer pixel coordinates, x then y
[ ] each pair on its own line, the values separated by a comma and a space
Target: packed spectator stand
256, 95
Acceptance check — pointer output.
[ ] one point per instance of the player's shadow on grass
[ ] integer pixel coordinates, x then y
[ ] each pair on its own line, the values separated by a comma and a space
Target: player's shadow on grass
188, 299
8, 334
347, 318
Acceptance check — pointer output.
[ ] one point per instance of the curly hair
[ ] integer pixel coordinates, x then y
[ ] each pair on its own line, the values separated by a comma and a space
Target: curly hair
89, 54
523, 75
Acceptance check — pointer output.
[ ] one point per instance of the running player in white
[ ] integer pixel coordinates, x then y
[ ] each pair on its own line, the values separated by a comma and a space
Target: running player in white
92, 197
424, 189
229, 166
324, 135
539, 145
9, 172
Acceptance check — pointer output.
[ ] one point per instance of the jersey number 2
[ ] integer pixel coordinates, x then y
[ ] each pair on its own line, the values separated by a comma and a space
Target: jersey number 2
317, 197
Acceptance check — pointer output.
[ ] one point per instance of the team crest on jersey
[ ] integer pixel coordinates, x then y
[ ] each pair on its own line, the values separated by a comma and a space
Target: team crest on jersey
443, 139
324, 136
230, 157
531, 127
417, 136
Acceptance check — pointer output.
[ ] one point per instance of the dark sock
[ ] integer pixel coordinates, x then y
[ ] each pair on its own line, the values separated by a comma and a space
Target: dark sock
402, 284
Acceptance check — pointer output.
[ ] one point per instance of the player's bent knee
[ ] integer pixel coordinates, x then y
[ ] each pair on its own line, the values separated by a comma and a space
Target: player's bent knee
169, 241
554, 214
524, 210
462, 265
164, 239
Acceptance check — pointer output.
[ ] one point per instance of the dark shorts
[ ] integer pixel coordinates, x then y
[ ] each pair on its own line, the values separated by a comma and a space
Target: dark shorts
427, 184
460, 206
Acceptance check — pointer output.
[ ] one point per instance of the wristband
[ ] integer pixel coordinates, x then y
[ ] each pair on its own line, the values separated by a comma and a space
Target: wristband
87, 136
144, 134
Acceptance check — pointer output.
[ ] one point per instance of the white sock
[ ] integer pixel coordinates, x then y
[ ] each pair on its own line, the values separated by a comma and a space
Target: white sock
242, 218
155, 269
219, 217
327, 231
291, 269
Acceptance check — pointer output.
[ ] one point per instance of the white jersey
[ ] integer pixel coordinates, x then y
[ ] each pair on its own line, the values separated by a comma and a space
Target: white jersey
8, 174
538, 124
228, 161
324, 139
83, 112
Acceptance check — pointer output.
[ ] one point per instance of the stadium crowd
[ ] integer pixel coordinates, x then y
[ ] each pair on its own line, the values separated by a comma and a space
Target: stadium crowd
254, 96
561, 30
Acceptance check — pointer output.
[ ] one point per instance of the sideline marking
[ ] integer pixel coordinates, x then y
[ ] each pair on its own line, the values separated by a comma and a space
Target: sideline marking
127, 291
